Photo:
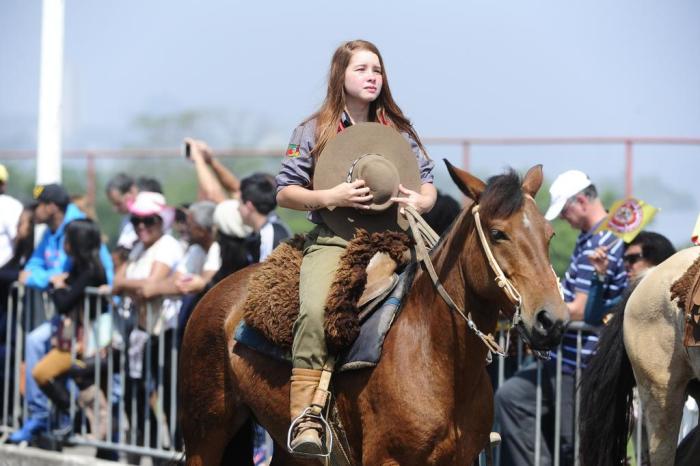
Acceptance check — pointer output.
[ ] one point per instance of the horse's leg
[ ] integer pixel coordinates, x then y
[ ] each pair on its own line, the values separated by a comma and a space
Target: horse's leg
662, 409
652, 332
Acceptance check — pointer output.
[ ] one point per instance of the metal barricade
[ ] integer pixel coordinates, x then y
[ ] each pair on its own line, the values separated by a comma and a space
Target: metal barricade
114, 404
579, 328
123, 382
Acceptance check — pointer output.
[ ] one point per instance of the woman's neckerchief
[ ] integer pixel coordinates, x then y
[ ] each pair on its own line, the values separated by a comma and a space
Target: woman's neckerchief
346, 121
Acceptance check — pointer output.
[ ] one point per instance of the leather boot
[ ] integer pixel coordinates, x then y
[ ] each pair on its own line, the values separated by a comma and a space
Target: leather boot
307, 434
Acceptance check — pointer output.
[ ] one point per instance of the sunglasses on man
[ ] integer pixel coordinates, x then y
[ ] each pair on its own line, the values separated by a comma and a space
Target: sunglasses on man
148, 221
632, 259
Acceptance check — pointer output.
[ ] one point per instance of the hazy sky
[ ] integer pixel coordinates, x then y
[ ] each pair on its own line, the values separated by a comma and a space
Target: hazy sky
459, 68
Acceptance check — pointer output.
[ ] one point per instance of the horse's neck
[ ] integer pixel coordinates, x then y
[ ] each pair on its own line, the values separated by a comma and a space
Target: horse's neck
429, 311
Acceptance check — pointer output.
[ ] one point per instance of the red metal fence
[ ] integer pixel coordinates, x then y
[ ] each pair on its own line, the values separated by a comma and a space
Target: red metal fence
627, 144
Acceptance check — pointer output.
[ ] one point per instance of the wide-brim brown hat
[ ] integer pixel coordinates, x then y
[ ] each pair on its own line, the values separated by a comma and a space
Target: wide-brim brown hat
380, 156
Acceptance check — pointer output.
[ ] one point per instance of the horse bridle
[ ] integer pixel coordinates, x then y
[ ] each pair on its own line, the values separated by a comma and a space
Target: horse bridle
418, 228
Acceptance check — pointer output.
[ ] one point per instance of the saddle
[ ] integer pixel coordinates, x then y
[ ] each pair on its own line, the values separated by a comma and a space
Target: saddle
365, 352
687, 290
365, 276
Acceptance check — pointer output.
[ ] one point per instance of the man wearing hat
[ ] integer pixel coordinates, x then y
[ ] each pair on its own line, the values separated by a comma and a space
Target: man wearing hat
362, 176
574, 198
11, 209
53, 207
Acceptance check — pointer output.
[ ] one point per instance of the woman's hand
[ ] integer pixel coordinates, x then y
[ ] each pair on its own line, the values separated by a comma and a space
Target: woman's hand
421, 202
190, 284
59, 281
599, 260
199, 150
353, 194
149, 289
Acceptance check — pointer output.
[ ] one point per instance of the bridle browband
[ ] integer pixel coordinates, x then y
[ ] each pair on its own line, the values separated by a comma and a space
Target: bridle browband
420, 235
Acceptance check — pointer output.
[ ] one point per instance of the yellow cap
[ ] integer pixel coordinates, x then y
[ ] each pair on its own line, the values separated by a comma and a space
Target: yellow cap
3, 173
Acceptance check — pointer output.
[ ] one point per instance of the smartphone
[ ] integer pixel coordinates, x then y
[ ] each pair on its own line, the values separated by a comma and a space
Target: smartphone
186, 150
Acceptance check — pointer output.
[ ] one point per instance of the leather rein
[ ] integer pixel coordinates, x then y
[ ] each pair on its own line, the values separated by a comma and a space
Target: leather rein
422, 234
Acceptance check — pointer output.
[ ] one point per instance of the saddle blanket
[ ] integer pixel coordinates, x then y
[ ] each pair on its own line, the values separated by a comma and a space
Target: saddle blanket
367, 348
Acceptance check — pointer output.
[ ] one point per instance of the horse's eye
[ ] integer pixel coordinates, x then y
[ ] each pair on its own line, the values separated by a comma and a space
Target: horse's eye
498, 235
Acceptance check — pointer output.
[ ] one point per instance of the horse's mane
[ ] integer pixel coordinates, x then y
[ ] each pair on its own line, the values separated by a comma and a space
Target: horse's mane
503, 195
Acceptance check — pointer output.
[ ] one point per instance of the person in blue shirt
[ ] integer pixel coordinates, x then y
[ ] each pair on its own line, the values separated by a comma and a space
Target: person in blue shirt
53, 207
646, 250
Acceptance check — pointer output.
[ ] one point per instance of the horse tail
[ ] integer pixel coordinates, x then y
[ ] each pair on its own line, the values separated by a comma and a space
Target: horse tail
606, 397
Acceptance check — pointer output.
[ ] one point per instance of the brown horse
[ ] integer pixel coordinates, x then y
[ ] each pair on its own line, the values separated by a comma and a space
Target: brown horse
429, 400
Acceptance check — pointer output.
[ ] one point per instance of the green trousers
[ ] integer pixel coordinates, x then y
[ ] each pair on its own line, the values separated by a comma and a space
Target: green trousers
322, 252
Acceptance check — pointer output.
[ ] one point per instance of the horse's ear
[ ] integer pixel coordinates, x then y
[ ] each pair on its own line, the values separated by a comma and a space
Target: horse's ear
470, 185
533, 180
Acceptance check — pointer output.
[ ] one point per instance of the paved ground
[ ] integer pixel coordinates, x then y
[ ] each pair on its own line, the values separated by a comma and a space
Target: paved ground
13, 455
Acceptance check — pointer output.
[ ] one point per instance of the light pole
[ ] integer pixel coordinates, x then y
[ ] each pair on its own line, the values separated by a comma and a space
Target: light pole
48, 158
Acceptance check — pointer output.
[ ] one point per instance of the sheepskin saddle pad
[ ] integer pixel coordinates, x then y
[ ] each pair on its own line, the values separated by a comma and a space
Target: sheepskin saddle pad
272, 304
687, 291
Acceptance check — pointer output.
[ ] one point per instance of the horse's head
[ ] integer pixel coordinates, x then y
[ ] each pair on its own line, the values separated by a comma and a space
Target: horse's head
516, 236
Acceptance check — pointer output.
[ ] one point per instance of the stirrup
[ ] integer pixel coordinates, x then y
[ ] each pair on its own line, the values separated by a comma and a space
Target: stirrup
326, 438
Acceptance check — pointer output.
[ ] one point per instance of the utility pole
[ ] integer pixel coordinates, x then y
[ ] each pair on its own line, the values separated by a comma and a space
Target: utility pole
48, 158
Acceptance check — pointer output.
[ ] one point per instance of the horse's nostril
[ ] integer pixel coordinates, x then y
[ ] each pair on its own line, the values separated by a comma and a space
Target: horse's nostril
545, 320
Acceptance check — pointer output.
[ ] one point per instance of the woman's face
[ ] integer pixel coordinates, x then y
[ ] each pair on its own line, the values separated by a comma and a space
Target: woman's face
149, 229
363, 77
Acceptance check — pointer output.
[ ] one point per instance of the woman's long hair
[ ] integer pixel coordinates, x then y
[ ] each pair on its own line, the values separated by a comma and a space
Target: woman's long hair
382, 108
84, 240
234, 256
24, 241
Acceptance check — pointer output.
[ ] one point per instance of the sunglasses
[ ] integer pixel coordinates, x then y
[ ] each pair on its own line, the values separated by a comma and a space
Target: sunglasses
631, 259
146, 221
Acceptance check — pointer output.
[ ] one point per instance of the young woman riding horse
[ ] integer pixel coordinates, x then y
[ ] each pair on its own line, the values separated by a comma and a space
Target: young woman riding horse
358, 92
429, 400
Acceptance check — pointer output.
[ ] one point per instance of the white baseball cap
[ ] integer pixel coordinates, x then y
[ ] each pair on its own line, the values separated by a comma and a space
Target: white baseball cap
227, 219
567, 185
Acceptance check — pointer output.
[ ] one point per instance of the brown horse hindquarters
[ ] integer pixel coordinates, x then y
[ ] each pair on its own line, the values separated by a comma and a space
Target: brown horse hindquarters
211, 409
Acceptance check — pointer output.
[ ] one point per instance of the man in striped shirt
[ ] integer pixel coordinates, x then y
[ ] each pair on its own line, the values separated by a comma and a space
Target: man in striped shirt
575, 199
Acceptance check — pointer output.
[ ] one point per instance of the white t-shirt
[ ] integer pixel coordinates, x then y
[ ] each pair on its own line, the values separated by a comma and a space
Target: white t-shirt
166, 250
213, 262
197, 261
127, 236
10, 210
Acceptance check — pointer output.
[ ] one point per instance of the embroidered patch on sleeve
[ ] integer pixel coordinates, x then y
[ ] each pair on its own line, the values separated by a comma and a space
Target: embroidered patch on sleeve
293, 150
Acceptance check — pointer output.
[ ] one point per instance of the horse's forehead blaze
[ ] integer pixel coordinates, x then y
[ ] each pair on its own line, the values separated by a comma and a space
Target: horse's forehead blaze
526, 221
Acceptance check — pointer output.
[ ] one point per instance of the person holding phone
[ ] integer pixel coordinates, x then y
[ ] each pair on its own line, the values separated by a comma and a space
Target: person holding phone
646, 250
215, 182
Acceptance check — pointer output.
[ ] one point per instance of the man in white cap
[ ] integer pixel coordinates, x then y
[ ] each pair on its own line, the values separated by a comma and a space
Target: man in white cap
11, 209
574, 199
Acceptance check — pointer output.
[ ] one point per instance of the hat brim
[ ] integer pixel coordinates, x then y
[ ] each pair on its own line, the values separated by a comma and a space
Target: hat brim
335, 161
555, 209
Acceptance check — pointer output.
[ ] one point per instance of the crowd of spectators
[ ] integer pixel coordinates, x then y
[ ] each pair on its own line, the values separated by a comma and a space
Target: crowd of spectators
165, 258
